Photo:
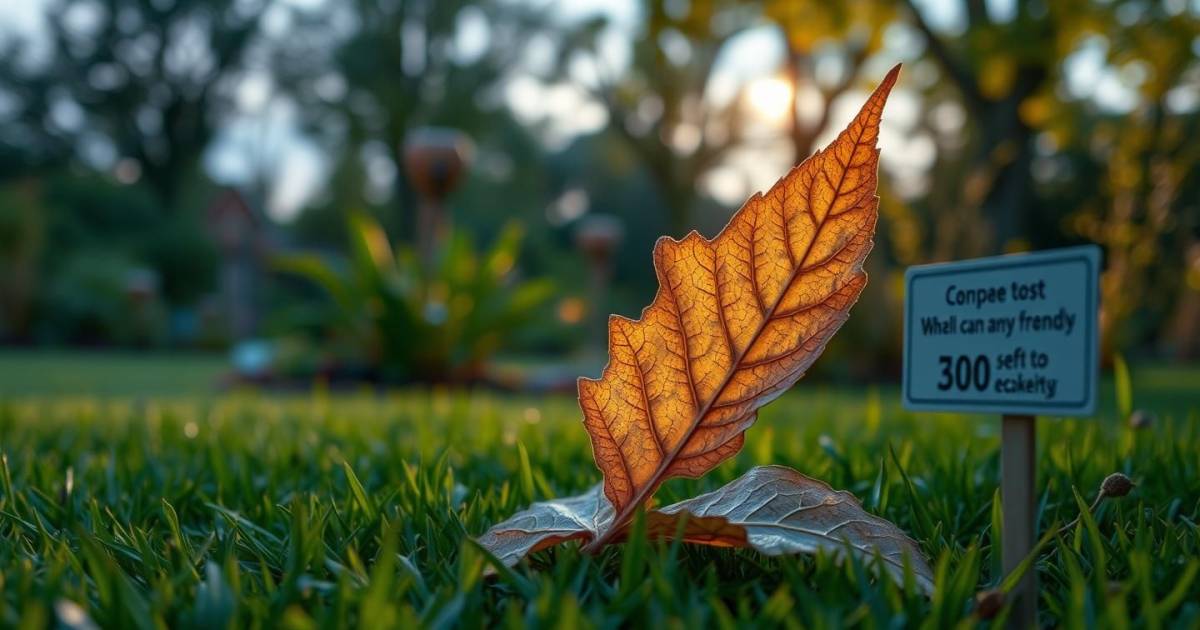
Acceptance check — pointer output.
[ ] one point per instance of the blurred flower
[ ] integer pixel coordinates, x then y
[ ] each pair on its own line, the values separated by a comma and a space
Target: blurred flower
571, 310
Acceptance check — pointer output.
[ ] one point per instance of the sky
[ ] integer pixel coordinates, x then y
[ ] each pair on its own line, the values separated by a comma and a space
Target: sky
264, 135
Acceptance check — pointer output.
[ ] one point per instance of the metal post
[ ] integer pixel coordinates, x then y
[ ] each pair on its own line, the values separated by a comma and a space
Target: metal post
1018, 445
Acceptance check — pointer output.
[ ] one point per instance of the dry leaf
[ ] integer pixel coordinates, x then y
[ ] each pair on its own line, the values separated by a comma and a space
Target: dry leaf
777, 511
547, 523
584, 517
736, 321
772, 509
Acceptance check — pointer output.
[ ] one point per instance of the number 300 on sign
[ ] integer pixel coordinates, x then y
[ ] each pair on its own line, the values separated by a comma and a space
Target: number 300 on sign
963, 372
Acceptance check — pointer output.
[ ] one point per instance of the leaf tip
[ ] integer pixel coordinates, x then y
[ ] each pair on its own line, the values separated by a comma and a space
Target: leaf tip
885, 86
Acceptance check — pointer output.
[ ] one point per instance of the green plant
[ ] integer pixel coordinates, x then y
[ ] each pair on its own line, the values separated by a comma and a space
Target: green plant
408, 321
89, 301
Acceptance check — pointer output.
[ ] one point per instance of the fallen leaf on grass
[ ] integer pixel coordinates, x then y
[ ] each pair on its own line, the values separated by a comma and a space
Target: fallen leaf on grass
736, 321
771, 509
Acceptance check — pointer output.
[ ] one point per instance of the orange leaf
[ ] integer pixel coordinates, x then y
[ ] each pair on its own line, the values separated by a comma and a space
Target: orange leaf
737, 320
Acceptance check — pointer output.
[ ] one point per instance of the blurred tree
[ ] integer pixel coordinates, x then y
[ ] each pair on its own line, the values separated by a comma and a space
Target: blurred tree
1041, 165
1146, 209
659, 105
663, 104
132, 85
122, 228
1182, 339
838, 35
22, 234
367, 72
997, 68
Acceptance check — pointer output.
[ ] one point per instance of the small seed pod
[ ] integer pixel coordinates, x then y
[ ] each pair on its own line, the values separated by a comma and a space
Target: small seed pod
1140, 419
988, 603
1116, 485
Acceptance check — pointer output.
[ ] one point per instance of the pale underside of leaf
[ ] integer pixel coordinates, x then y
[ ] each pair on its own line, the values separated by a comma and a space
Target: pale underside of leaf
780, 511
548, 523
736, 321
771, 509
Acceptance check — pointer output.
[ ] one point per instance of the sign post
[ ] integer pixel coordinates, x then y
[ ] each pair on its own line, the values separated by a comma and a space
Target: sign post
1015, 335
1018, 444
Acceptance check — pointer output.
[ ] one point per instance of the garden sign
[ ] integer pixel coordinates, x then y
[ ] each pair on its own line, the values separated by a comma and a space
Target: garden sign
1015, 335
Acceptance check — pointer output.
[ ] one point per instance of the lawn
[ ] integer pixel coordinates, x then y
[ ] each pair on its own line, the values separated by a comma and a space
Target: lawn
108, 374
167, 506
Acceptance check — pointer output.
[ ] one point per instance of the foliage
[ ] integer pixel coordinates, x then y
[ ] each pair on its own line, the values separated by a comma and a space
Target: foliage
1033, 151
661, 106
158, 504
71, 243
88, 302
1145, 215
399, 68
659, 97
22, 229
816, 33
138, 81
405, 321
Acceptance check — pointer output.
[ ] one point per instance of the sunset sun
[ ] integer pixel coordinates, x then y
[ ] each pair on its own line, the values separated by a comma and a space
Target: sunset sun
770, 98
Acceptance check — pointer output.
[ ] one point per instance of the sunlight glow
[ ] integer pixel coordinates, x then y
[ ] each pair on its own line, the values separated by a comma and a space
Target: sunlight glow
770, 98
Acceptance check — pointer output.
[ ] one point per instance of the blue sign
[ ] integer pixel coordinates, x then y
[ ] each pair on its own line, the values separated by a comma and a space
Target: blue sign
1010, 334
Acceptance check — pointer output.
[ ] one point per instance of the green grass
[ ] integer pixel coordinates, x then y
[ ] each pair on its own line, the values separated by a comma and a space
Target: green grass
108, 374
185, 510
